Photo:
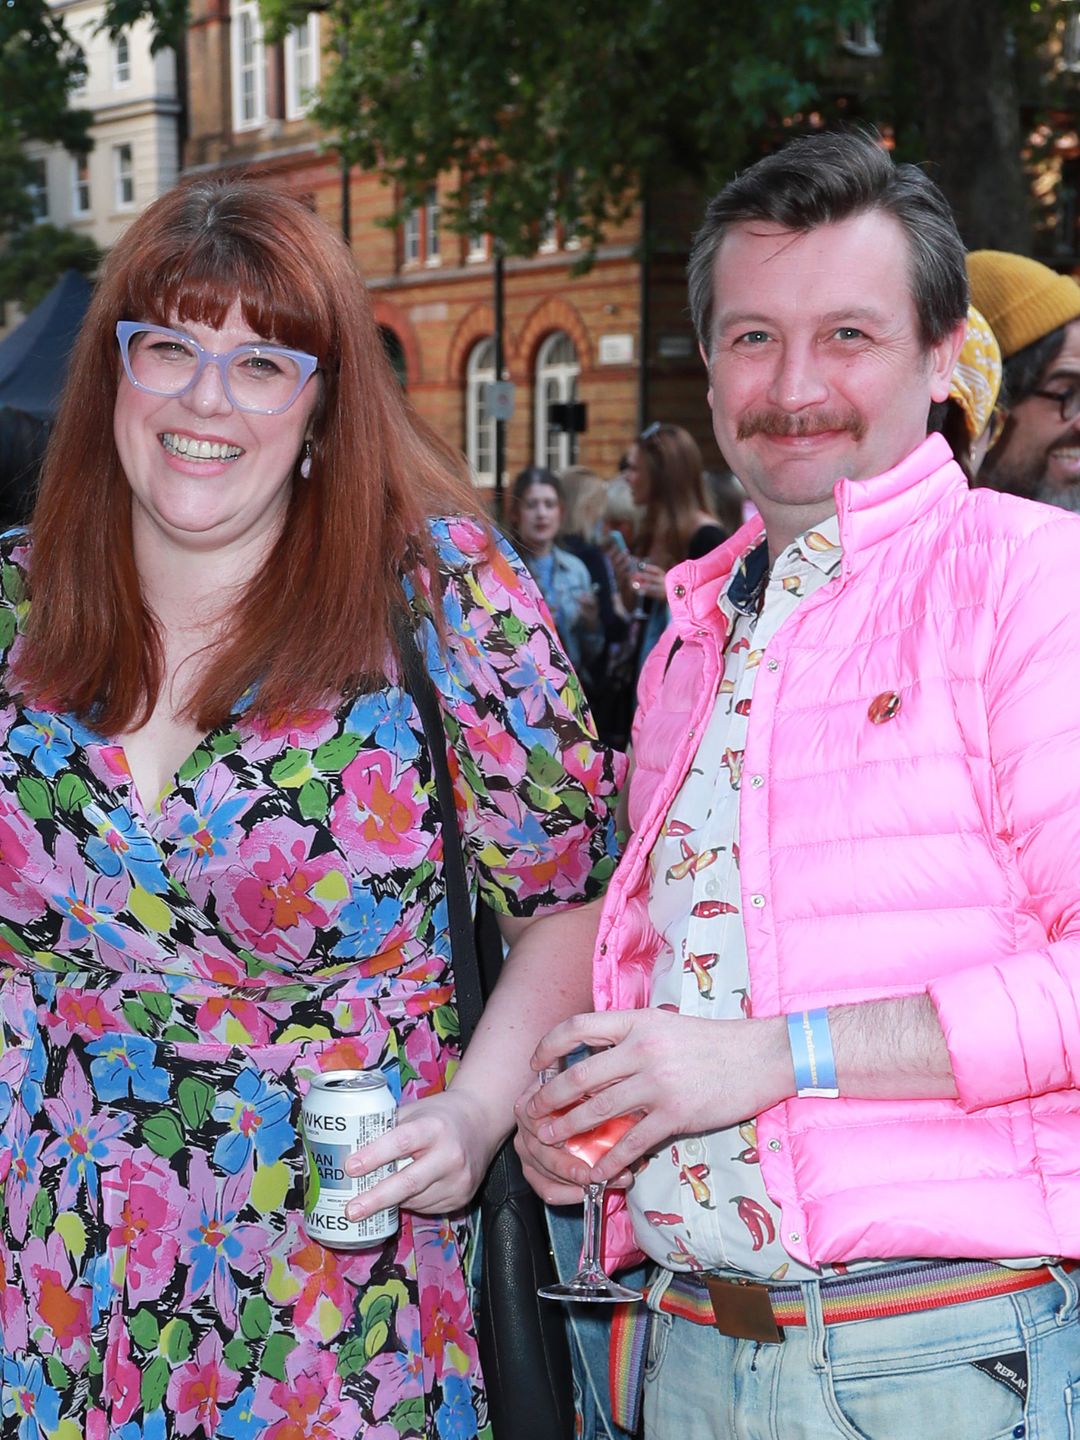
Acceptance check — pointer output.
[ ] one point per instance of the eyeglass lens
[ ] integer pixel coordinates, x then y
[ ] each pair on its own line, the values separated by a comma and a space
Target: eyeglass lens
254, 379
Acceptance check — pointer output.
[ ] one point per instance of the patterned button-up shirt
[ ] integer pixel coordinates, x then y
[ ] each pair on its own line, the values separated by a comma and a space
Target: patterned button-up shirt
700, 1202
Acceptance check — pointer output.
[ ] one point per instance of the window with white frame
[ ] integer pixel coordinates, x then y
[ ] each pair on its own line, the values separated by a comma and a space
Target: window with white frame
37, 187
80, 185
248, 65
476, 241
431, 226
301, 67
548, 238
410, 237
479, 430
123, 177
860, 38
121, 59
78, 85
557, 372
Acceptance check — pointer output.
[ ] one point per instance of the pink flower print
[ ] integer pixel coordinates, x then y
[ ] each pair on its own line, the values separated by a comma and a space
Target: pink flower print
50, 1290
23, 1178
121, 1379
85, 1141
198, 1388
86, 1013
321, 1274
12, 1308
444, 1324
249, 1025
487, 736
143, 1205
309, 1401
377, 817
21, 863
213, 1242
302, 732
398, 1373
91, 906
278, 895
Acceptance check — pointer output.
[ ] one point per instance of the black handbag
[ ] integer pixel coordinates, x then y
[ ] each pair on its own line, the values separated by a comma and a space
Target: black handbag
524, 1352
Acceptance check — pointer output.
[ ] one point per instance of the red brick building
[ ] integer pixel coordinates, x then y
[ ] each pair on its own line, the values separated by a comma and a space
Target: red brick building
617, 339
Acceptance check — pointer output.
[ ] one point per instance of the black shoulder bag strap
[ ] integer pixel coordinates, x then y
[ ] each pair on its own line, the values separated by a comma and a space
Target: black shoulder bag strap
524, 1352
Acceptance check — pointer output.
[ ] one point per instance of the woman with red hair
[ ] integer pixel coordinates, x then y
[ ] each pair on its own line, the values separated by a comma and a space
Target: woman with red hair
221, 868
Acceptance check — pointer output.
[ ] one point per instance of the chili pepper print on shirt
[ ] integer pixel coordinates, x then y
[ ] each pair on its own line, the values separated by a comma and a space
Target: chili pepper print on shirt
175, 976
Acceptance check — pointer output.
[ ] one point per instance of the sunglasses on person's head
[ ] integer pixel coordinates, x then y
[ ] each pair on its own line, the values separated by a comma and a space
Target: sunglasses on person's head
651, 431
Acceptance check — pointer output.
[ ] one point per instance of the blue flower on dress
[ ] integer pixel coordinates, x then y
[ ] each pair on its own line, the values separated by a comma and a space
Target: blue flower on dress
365, 923
206, 833
121, 844
102, 1289
238, 1422
30, 1086
456, 1416
28, 1400
393, 732
45, 739
124, 1064
152, 1428
259, 1120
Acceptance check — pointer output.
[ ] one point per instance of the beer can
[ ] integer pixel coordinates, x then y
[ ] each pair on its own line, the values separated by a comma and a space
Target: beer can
343, 1110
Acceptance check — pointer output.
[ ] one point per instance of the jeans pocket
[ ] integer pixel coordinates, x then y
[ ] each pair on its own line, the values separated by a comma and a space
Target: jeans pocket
950, 1399
659, 1333
1072, 1411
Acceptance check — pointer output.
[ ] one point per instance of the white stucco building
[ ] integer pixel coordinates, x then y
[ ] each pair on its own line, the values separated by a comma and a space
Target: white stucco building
136, 106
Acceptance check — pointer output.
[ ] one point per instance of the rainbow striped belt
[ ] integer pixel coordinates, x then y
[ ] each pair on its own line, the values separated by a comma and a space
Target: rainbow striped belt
759, 1312
866, 1295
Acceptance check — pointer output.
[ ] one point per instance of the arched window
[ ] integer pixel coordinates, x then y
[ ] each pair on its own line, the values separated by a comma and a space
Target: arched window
479, 430
557, 371
395, 353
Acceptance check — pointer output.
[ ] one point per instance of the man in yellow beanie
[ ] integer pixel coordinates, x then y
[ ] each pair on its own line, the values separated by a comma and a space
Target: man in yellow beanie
1035, 314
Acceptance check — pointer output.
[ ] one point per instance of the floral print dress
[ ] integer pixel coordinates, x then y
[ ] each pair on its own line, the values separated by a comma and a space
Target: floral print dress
174, 975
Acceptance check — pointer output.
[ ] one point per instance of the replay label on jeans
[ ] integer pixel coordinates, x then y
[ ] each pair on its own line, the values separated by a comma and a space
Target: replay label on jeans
1010, 1370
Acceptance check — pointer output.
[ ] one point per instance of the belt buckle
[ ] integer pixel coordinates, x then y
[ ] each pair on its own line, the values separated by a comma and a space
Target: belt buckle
743, 1310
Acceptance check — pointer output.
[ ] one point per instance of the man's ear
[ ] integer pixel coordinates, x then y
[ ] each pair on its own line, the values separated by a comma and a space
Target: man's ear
705, 361
943, 357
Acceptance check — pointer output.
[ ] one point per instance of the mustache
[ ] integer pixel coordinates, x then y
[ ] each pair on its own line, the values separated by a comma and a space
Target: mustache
775, 422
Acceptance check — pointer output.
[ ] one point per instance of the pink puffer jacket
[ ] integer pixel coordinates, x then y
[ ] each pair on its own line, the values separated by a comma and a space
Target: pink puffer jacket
937, 851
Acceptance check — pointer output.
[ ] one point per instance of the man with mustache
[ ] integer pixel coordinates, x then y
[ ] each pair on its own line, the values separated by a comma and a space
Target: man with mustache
873, 1091
1035, 315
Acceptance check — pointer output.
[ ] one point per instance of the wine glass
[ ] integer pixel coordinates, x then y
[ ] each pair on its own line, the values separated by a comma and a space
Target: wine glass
590, 1282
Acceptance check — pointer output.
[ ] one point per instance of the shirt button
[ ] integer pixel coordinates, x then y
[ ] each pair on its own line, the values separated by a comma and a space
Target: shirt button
712, 888
603, 949
774, 1144
758, 901
794, 1237
680, 591
756, 781
772, 665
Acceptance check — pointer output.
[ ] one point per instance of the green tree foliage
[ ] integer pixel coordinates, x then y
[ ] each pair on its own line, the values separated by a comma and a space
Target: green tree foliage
35, 257
565, 105
38, 68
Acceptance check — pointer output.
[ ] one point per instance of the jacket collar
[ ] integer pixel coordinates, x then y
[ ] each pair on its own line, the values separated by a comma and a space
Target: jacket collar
869, 511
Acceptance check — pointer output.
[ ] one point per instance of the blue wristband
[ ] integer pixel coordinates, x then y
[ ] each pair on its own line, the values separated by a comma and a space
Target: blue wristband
812, 1054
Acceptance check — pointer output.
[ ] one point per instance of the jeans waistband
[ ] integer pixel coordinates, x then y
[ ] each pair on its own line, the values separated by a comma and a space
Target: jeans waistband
867, 1295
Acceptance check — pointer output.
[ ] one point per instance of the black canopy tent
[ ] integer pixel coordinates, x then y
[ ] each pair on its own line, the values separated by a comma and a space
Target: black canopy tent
33, 364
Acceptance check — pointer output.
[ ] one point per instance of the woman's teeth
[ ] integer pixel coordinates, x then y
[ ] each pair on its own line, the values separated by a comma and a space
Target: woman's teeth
199, 449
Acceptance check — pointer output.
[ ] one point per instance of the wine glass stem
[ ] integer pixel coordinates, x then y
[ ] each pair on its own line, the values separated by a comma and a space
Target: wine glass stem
594, 1208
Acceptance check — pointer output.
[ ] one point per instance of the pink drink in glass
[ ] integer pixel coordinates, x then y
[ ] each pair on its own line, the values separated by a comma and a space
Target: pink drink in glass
594, 1144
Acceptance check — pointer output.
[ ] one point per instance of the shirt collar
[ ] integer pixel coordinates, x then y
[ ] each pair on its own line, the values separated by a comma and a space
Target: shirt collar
819, 546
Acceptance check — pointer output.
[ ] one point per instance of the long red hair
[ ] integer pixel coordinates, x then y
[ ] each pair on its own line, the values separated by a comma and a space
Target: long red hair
314, 621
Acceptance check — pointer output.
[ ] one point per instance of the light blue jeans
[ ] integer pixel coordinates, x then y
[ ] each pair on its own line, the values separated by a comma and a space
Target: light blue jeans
1008, 1366
588, 1330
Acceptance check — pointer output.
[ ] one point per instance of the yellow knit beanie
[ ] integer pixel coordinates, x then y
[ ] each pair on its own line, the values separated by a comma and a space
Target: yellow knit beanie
1022, 299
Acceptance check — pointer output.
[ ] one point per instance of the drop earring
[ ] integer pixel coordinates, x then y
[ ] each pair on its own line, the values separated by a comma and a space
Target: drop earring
305, 463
